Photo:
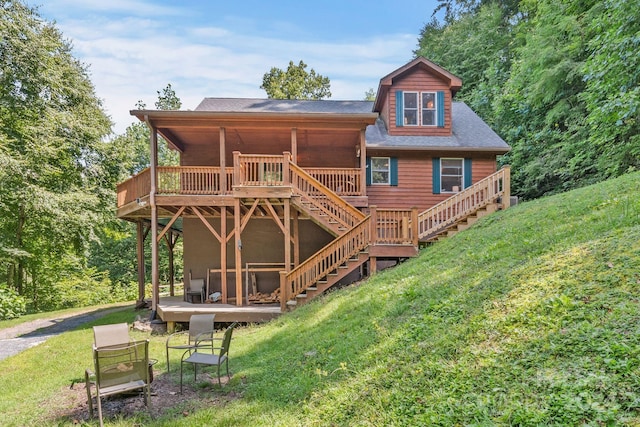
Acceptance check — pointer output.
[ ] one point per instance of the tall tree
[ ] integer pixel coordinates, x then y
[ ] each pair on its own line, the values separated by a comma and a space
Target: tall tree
115, 251
612, 93
52, 130
295, 83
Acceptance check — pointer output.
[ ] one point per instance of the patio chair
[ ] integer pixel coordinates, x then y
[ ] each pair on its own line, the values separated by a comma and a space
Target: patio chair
110, 335
212, 359
120, 366
196, 288
200, 333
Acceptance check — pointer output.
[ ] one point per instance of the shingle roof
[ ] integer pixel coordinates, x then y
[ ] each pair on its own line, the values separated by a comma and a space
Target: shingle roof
468, 132
248, 105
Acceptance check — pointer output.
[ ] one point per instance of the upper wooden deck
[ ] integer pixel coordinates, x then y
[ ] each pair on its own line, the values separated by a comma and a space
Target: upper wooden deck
251, 176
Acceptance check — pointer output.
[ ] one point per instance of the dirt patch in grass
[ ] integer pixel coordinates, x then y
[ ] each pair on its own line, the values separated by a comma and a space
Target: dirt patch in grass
71, 403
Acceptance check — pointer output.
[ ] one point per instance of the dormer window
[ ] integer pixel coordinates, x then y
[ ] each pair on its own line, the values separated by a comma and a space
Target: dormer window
428, 108
411, 108
419, 108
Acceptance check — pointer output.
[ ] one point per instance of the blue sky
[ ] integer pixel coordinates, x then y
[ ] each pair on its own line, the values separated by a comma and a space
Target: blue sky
134, 48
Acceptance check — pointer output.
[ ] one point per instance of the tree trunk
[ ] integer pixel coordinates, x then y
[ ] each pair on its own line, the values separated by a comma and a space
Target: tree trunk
19, 230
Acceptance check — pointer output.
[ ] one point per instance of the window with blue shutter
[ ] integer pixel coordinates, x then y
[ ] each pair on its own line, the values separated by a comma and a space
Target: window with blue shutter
394, 172
467, 173
436, 175
399, 109
440, 108
368, 171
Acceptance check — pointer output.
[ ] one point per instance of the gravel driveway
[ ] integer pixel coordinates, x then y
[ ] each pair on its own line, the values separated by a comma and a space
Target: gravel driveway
21, 337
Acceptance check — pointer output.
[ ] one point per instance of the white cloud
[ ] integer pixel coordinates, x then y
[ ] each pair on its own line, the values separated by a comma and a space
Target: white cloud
131, 58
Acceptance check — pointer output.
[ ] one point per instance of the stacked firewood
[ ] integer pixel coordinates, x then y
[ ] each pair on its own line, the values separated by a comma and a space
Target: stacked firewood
260, 297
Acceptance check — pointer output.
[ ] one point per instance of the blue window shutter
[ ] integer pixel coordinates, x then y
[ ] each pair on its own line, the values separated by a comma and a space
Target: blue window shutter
368, 171
440, 106
399, 109
436, 175
467, 172
393, 179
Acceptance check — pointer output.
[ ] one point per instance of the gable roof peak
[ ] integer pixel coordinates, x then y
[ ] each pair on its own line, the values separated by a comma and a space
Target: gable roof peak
455, 83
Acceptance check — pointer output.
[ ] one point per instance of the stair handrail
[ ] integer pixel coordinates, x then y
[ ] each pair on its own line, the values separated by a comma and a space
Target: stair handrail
467, 201
323, 198
329, 258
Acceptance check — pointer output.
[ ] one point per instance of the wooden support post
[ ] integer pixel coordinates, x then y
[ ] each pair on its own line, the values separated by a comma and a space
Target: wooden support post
223, 161
414, 226
287, 235
238, 252
363, 164
283, 291
373, 231
171, 327
223, 254
294, 145
296, 238
374, 265
140, 252
506, 187
153, 149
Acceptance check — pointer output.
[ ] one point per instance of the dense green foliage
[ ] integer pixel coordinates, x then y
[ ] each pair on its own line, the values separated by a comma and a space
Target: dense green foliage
557, 80
295, 83
53, 166
12, 305
528, 318
60, 245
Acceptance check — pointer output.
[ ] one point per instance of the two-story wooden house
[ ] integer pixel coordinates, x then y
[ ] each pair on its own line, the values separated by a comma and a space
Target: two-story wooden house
286, 198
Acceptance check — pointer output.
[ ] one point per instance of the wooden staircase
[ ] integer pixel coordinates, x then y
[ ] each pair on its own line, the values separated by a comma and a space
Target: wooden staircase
357, 235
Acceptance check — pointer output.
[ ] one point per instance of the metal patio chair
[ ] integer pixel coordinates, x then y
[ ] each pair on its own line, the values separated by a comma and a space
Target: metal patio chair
201, 333
212, 359
120, 366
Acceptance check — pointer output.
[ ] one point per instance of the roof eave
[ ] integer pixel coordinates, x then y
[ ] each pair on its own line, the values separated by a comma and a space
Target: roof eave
496, 150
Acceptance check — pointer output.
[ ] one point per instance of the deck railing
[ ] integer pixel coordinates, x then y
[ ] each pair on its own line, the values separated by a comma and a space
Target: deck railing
135, 187
394, 226
247, 170
460, 205
260, 170
325, 261
193, 180
325, 201
343, 182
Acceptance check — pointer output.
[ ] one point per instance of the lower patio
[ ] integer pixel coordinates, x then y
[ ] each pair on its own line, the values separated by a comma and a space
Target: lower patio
172, 309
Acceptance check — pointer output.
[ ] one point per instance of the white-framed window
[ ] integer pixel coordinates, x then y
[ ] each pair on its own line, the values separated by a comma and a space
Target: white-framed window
420, 108
410, 103
429, 112
380, 170
451, 175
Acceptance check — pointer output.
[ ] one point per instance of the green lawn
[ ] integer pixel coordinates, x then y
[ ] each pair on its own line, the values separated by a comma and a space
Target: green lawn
531, 317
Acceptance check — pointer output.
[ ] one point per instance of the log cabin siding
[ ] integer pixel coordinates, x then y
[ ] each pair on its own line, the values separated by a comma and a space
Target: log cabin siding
415, 181
419, 81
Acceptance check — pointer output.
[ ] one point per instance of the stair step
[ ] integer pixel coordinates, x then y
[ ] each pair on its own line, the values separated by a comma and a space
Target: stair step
301, 296
312, 288
292, 303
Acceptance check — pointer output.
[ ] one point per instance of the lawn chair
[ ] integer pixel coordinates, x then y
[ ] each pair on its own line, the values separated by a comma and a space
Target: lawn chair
110, 335
201, 358
196, 288
120, 366
201, 331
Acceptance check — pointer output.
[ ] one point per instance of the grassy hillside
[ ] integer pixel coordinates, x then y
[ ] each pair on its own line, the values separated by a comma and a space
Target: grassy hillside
531, 317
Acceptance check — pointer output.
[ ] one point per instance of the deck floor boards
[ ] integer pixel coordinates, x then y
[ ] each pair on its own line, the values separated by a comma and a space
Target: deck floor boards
174, 309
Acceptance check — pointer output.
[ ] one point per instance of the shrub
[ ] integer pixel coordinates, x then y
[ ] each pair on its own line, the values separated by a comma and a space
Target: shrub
12, 305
